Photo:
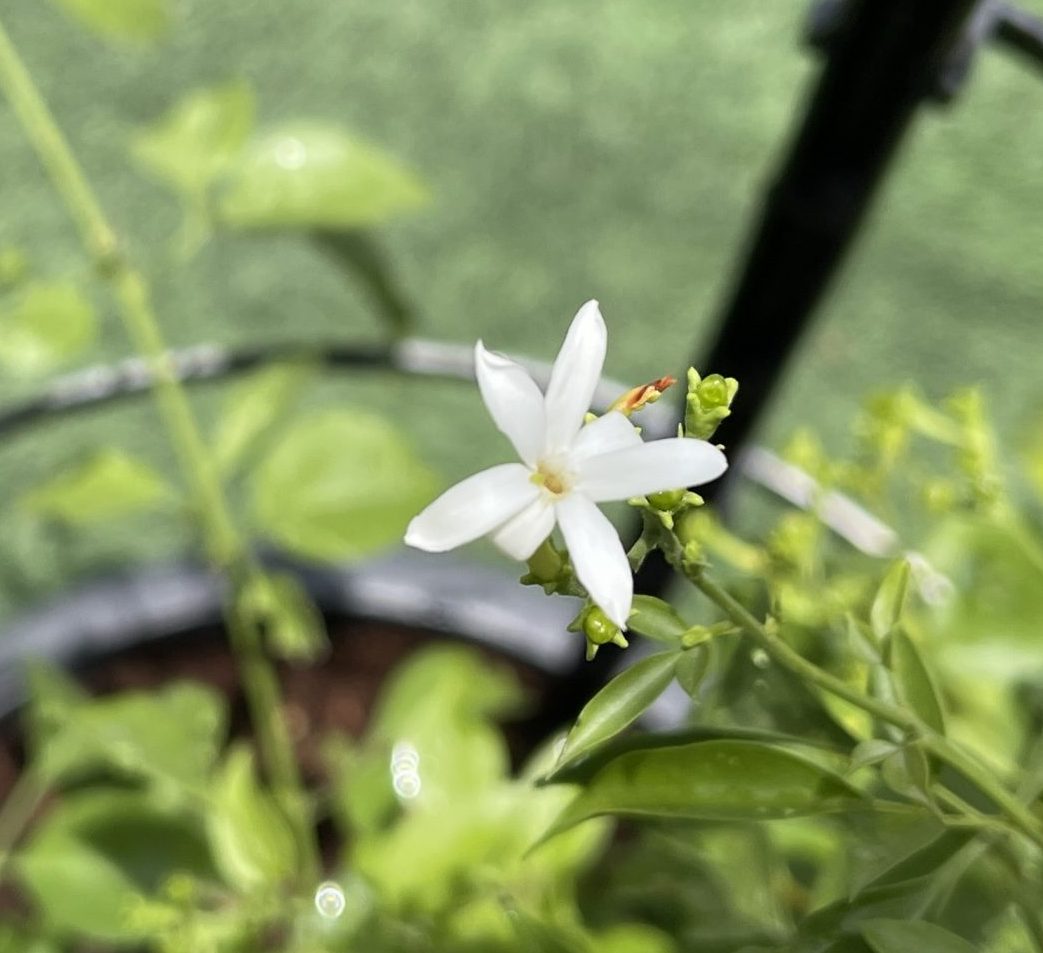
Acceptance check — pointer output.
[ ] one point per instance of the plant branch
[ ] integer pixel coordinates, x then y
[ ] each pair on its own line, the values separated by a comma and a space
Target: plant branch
224, 546
1020, 817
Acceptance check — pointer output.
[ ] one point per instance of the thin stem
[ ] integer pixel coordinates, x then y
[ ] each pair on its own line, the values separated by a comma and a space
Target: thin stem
1019, 816
223, 543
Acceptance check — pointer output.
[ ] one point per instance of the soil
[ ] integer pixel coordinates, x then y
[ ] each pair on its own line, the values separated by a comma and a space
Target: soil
337, 694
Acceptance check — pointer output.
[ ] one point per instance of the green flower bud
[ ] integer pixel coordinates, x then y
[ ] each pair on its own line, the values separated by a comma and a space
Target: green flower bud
546, 564
667, 500
708, 402
600, 630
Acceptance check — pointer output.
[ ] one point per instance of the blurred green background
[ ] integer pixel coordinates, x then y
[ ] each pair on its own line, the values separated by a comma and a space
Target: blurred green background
572, 151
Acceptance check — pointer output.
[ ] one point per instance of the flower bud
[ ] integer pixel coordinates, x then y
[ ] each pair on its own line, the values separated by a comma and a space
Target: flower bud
636, 398
707, 403
667, 500
599, 630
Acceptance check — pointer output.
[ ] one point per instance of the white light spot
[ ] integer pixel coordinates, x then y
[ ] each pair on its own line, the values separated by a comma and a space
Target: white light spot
760, 658
405, 770
329, 900
290, 153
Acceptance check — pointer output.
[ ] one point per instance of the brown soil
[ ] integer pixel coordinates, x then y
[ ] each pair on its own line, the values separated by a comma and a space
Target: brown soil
337, 694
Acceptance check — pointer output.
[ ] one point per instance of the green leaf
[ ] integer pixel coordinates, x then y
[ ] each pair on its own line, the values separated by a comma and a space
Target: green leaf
711, 780
871, 751
692, 667
140, 21
291, 622
912, 936
110, 485
48, 325
170, 736
251, 841
339, 485
913, 681
308, 175
620, 703
887, 605
79, 891
253, 408
190, 146
656, 619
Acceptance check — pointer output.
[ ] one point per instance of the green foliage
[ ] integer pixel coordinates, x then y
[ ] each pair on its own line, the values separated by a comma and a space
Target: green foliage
711, 780
137, 21
250, 839
109, 485
338, 485
45, 325
198, 139
284, 612
904, 936
620, 703
253, 409
310, 175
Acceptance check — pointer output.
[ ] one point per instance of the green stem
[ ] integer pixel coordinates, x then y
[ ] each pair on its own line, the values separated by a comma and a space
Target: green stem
17, 811
1019, 816
223, 543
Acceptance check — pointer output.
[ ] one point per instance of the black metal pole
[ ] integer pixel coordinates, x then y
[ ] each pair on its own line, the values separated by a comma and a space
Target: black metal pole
884, 59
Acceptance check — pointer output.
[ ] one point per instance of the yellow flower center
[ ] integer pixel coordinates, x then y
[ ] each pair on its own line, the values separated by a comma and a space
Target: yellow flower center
552, 478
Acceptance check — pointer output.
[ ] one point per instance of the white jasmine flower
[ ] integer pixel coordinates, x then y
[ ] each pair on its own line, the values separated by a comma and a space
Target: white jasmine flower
566, 469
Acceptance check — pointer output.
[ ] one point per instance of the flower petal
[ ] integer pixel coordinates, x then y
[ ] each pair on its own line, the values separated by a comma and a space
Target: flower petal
613, 431
597, 556
657, 465
514, 401
576, 372
522, 534
472, 508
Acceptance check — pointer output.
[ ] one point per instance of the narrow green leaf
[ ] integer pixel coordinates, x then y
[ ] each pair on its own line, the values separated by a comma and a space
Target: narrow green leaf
711, 780
308, 175
139, 21
339, 485
692, 667
193, 143
913, 681
619, 703
49, 324
886, 610
656, 619
253, 408
110, 485
251, 841
912, 936
871, 751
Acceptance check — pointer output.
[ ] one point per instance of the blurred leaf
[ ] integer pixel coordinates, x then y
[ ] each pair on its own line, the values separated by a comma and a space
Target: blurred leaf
913, 681
912, 936
253, 408
692, 667
14, 267
308, 175
14, 940
193, 143
711, 780
170, 736
887, 605
110, 485
79, 891
907, 772
48, 324
251, 841
141, 21
871, 751
291, 622
620, 703
656, 619
339, 485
